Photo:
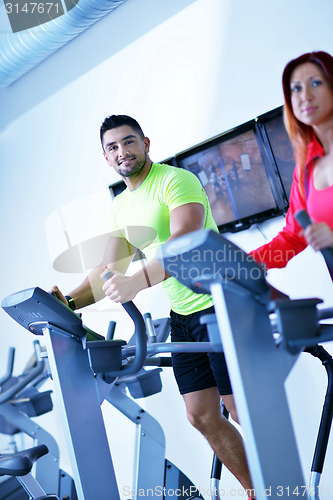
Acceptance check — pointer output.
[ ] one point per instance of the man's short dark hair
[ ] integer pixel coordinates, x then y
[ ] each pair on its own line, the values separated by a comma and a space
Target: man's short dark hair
115, 121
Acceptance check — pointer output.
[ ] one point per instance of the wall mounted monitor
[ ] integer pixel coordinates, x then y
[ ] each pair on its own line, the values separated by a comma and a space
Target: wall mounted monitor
117, 188
280, 149
169, 161
237, 176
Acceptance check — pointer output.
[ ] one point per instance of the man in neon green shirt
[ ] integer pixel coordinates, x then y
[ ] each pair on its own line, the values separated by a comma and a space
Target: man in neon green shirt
147, 209
161, 203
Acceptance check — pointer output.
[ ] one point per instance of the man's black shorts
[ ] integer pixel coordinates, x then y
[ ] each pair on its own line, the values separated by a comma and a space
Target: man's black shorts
197, 371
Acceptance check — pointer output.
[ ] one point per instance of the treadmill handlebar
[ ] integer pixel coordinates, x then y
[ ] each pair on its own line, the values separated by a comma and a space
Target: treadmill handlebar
151, 334
141, 341
10, 366
304, 220
140, 336
32, 374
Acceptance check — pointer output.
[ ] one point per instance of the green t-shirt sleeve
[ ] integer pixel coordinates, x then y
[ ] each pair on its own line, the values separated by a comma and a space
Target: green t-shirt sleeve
181, 187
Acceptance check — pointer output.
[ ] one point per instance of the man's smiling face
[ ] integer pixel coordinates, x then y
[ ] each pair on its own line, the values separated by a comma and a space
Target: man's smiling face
125, 150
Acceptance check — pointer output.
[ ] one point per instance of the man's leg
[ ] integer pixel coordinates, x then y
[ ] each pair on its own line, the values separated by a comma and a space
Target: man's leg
204, 413
229, 403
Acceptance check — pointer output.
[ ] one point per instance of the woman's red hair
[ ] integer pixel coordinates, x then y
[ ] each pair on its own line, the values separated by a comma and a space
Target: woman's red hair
301, 135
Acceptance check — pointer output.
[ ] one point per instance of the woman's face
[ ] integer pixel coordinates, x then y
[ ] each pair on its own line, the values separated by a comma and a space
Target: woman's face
311, 95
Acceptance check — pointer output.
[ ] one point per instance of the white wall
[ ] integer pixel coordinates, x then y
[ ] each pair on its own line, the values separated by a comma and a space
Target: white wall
186, 70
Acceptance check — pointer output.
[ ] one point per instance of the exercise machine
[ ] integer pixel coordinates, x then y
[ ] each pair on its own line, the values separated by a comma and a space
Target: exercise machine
97, 369
237, 284
259, 356
19, 465
20, 400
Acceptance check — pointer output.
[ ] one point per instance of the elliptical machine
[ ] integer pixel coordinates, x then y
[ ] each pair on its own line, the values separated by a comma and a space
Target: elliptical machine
19, 466
97, 368
262, 332
20, 400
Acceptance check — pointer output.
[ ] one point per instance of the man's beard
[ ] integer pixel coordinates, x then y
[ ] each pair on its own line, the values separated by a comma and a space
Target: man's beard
134, 170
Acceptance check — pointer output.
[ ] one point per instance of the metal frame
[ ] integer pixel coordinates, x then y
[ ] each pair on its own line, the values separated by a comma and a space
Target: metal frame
261, 401
78, 397
79, 394
149, 446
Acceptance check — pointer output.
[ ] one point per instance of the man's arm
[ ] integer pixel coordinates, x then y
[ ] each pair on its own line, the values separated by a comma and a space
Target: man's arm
184, 219
117, 257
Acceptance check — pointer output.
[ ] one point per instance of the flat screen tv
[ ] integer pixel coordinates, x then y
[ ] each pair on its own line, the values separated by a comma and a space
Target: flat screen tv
117, 188
238, 177
280, 149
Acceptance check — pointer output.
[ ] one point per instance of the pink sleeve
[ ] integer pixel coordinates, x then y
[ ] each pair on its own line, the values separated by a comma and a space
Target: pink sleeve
288, 242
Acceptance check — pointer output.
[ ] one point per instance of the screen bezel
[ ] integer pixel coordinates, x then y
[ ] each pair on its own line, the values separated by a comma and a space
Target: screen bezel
263, 121
270, 169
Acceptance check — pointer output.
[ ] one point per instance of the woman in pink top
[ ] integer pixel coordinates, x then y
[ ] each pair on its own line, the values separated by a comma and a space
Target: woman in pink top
308, 117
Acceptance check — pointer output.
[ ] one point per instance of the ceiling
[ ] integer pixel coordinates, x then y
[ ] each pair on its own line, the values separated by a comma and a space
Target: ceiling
24, 49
